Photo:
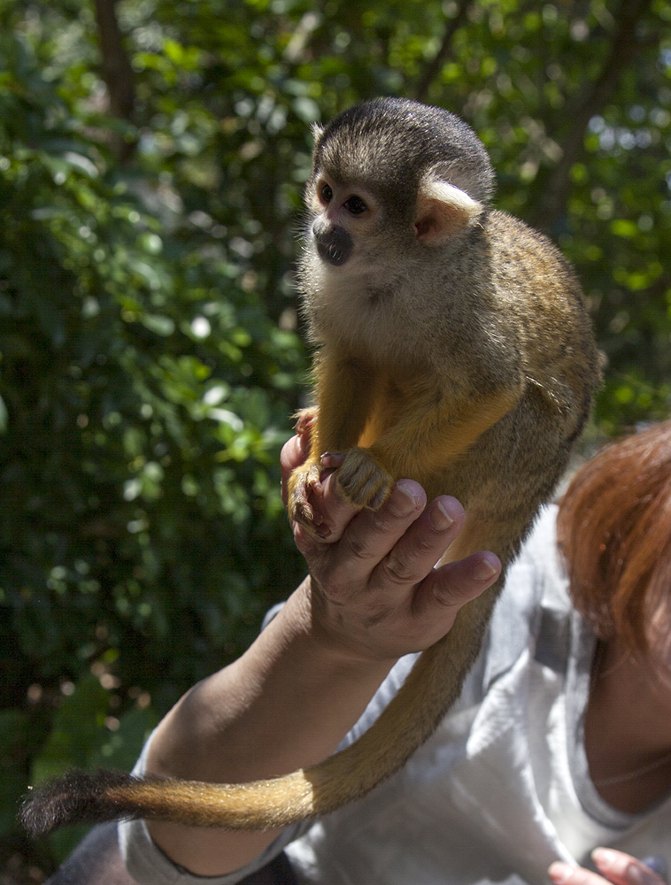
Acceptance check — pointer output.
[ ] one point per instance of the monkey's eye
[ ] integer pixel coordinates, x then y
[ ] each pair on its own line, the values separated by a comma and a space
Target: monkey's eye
355, 205
326, 193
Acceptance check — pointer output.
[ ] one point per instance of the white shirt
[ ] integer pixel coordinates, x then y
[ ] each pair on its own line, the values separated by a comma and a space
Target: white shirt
499, 791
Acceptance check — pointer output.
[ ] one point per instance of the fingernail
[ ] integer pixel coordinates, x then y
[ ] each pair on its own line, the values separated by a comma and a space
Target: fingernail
485, 570
409, 491
560, 872
603, 857
441, 517
635, 874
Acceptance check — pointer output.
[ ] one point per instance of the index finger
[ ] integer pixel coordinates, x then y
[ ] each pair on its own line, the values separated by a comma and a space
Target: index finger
624, 869
366, 537
373, 533
616, 867
293, 454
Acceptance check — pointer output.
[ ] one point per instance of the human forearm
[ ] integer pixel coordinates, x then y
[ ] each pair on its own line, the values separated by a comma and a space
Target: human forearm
286, 703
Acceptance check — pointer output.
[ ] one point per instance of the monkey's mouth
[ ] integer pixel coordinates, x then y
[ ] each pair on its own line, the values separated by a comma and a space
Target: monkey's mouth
331, 254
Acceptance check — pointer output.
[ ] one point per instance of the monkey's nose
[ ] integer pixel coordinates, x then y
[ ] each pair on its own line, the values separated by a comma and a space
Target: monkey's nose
334, 244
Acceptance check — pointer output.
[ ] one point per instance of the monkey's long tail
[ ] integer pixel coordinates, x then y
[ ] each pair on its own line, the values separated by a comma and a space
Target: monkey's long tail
410, 718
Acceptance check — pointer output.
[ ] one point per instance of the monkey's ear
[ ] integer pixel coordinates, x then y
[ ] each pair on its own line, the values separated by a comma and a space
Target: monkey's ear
443, 210
317, 129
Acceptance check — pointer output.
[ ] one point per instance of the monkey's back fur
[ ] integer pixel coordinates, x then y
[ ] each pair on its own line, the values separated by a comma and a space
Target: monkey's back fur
454, 348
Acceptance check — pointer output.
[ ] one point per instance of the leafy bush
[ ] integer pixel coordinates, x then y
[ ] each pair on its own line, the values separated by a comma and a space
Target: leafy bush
144, 396
151, 160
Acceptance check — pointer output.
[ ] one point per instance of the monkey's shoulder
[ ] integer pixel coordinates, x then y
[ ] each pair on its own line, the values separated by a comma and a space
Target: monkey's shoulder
512, 242
528, 272
539, 301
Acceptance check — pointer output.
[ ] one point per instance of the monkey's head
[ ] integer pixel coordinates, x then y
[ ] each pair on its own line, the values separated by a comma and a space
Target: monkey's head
394, 174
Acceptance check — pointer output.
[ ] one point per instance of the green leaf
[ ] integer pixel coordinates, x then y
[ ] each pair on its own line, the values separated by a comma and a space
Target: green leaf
76, 729
621, 227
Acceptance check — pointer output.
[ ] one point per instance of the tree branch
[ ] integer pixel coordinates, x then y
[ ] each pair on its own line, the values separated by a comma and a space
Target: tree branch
624, 47
433, 68
117, 71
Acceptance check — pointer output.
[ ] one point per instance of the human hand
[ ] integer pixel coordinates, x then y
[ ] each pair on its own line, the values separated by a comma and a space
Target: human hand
375, 593
615, 867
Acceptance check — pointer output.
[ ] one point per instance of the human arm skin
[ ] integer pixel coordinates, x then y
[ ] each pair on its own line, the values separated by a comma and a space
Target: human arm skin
294, 694
614, 867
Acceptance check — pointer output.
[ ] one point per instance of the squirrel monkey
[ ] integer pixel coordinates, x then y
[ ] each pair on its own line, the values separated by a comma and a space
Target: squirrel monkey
454, 348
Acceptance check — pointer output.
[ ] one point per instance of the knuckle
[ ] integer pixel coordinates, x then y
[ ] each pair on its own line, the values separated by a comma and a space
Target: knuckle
397, 570
434, 544
450, 589
376, 616
329, 588
356, 547
449, 598
381, 522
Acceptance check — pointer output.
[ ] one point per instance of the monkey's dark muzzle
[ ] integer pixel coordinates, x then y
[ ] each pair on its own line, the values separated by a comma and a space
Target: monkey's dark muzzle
333, 244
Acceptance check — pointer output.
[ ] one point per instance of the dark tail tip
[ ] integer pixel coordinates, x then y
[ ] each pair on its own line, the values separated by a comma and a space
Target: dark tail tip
77, 797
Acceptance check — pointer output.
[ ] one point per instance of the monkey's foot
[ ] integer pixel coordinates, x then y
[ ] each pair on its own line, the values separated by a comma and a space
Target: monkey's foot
304, 497
363, 480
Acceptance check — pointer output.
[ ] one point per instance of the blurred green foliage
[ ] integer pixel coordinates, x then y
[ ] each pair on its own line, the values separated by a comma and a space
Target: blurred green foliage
152, 156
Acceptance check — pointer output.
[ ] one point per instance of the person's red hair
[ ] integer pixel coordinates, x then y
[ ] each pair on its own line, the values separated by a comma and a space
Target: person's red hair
614, 531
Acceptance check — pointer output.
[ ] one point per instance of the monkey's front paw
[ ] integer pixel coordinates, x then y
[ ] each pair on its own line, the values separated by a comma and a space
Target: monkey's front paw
305, 419
304, 497
363, 480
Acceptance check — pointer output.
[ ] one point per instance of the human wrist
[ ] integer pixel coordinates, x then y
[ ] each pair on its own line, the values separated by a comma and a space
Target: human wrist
327, 637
